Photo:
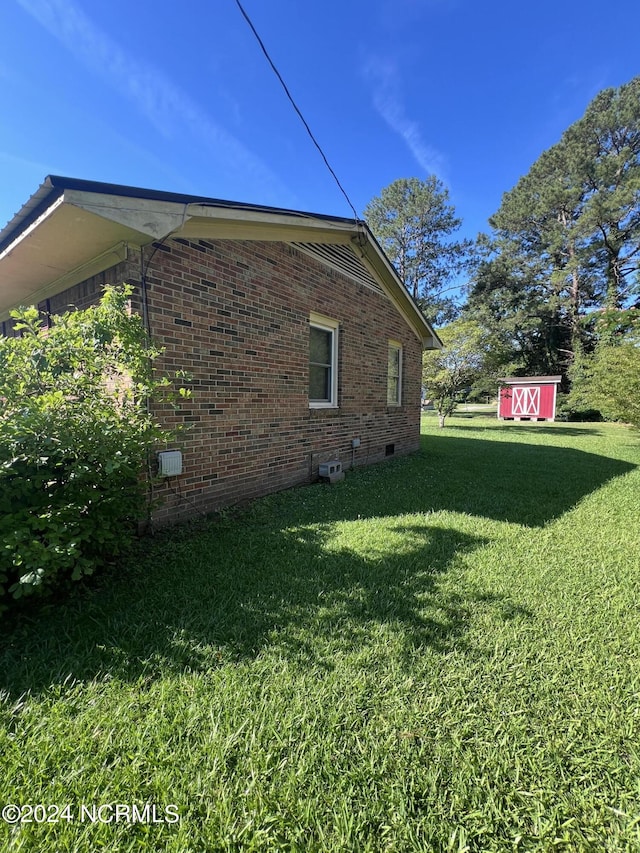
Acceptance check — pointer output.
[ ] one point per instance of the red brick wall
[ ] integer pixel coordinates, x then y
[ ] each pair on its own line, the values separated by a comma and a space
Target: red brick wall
88, 292
235, 315
84, 294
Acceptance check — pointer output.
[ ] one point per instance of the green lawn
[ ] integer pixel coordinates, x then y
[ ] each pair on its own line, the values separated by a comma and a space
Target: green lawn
440, 653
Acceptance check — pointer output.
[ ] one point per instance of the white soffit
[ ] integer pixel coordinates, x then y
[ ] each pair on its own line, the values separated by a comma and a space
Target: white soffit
65, 238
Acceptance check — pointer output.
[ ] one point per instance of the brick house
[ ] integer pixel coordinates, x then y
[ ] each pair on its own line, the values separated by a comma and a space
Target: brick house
302, 343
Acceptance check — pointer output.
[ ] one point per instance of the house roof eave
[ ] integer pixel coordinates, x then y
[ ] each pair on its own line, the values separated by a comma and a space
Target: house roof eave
37, 256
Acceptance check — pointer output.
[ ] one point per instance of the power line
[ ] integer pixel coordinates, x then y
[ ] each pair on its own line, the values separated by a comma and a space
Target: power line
295, 106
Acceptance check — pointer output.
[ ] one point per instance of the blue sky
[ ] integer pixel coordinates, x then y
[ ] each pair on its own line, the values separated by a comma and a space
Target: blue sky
179, 97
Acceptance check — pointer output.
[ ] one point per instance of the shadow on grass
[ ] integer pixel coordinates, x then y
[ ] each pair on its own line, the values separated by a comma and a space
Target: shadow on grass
530, 484
527, 484
279, 577
241, 588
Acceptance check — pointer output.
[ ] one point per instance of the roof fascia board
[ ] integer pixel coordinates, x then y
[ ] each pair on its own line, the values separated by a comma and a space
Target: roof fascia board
156, 219
223, 228
22, 235
60, 184
272, 217
34, 207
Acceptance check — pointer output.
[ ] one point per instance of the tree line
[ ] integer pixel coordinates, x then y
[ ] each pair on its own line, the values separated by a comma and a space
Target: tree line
554, 286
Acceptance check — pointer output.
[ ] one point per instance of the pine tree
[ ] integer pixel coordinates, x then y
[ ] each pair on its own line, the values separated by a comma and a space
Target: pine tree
413, 221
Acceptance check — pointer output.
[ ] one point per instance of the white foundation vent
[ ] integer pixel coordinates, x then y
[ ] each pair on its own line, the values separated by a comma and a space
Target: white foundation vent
169, 463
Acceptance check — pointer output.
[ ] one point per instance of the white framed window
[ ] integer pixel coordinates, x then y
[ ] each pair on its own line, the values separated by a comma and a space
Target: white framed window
394, 374
323, 362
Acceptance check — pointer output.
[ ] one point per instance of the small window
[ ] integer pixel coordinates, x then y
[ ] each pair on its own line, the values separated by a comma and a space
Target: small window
394, 374
323, 362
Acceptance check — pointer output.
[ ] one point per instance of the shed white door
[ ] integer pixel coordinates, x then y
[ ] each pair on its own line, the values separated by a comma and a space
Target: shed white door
526, 402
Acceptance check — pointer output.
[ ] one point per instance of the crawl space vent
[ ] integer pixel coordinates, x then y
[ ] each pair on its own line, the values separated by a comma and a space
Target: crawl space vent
169, 463
331, 471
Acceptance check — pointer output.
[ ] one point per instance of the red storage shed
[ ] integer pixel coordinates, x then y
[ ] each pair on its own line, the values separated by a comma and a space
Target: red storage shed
528, 398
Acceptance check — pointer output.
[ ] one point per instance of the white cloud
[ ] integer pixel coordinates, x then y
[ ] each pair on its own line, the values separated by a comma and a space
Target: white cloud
384, 78
170, 109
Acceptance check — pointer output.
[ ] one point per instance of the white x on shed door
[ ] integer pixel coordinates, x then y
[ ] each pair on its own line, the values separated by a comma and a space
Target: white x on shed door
526, 402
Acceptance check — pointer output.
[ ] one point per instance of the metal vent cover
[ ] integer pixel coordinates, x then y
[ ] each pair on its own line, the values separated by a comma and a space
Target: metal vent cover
343, 259
169, 463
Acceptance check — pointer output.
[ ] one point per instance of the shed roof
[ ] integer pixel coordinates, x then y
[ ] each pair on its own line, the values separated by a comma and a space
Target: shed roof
71, 229
531, 380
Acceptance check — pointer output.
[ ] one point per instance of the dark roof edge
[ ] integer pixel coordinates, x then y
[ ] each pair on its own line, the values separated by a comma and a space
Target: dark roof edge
54, 186
42, 199
523, 380
63, 183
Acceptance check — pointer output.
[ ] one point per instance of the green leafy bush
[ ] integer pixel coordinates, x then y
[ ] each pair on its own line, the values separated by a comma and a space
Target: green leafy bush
570, 410
609, 379
74, 437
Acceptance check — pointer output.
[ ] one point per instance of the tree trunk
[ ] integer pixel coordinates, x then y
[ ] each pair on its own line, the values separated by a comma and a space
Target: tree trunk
441, 418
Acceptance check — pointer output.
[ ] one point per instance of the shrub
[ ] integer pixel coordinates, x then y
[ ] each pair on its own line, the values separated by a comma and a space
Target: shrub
569, 409
74, 437
609, 379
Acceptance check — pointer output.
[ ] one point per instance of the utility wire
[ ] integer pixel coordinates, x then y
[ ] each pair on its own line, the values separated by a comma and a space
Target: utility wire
295, 106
